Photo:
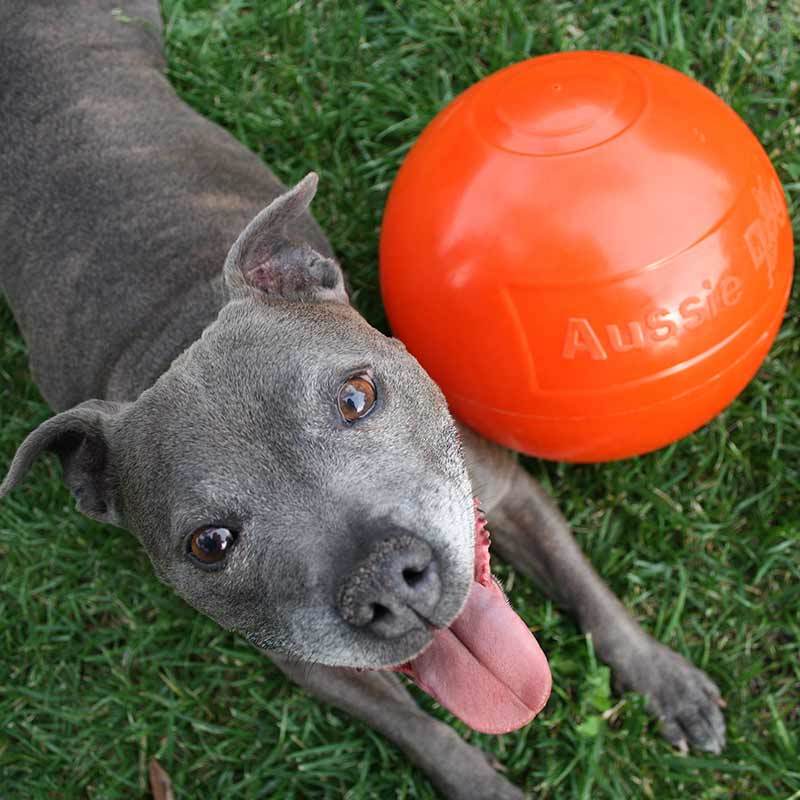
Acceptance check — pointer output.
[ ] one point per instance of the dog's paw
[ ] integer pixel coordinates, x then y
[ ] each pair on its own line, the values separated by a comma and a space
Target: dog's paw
504, 791
480, 784
464, 789
682, 697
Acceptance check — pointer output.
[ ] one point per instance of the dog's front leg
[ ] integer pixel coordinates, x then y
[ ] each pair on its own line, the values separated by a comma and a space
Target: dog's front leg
530, 533
458, 770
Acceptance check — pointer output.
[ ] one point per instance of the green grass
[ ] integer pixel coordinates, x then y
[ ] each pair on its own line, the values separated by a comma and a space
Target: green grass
103, 668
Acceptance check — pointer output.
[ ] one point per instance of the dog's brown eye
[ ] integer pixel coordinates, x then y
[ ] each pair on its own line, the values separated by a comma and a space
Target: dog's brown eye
210, 545
357, 396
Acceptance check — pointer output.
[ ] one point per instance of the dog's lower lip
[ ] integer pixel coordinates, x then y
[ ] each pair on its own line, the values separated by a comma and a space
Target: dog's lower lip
430, 630
430, 627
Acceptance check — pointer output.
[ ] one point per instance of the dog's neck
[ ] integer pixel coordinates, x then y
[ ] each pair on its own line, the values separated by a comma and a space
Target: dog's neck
111, 225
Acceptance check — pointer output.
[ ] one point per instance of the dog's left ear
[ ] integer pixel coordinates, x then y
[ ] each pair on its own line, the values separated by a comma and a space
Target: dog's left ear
81, 439
265, 259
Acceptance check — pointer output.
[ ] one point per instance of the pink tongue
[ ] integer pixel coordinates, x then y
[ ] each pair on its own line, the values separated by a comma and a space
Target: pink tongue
486, 668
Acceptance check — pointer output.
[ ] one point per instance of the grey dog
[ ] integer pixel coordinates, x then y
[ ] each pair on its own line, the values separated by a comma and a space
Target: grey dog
291, 472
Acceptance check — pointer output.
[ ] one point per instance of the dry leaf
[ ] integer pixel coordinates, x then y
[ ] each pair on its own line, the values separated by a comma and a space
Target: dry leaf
160, 782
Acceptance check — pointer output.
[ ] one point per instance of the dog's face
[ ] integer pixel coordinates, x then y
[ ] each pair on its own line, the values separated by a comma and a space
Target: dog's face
309, 437
295, 474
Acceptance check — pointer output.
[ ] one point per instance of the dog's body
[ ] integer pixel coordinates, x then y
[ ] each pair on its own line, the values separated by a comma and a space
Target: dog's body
118, 209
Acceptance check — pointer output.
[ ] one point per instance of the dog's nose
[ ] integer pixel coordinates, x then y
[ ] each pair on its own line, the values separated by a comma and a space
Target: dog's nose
389, 590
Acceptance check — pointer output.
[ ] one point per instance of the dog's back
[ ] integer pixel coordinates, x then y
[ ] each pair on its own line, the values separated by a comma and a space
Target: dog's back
118, 202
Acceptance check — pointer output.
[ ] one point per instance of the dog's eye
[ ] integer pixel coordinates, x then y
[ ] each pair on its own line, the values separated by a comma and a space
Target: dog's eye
211, 545
357, 397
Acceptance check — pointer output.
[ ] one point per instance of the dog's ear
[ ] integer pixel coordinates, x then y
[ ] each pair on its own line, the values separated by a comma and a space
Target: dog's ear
81, 439
266, 260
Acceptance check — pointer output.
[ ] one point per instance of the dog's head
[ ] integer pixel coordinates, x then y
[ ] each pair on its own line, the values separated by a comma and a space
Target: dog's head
295, 474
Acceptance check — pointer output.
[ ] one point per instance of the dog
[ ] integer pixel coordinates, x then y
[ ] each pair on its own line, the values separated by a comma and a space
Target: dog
290, 471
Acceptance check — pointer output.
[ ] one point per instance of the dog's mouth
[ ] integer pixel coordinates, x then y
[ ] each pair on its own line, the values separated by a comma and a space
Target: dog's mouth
486, 667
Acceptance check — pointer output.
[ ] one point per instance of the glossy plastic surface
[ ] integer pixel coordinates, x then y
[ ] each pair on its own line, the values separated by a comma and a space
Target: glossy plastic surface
589, 252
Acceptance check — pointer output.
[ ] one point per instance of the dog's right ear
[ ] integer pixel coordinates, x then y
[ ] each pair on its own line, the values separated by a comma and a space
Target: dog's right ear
81, 439
266, 262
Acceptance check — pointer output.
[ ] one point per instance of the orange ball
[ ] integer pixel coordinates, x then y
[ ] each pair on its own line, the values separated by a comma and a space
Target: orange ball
589, 252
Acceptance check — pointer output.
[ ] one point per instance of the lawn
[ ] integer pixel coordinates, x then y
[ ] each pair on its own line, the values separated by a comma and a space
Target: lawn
104, 668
